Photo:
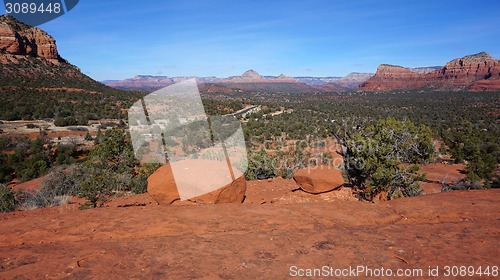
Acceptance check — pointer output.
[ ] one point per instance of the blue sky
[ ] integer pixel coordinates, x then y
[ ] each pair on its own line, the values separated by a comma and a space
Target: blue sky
119, 39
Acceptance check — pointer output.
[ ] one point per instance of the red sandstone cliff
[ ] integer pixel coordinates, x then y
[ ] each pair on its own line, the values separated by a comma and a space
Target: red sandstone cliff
479, 72
17, 38
29, 58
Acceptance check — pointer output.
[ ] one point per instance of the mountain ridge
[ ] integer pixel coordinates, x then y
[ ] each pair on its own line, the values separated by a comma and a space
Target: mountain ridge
250, 80
29, 58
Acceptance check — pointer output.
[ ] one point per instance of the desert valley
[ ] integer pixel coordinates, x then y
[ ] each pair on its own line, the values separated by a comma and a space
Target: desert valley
396, 169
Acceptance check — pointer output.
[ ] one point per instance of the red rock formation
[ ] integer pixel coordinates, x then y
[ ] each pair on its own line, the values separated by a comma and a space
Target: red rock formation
463, 73
486, 85
319, 179
479, 72
231, 193
391, 77
17, 38
163, 188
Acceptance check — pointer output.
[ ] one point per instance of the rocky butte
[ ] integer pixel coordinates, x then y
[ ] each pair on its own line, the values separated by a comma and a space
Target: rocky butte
29, 56
17, 38
478, 72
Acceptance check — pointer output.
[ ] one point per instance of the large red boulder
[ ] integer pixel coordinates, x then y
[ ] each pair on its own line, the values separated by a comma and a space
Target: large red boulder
319, 179
231, 193
203, 181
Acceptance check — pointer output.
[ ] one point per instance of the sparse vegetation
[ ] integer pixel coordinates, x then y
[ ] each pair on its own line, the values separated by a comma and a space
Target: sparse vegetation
112, 167
67, 109
479, 147
382, 157
470, 135
469, 130
7, 201
260, 166
27, 159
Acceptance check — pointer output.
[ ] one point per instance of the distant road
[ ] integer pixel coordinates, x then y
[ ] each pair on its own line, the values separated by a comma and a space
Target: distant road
245, 110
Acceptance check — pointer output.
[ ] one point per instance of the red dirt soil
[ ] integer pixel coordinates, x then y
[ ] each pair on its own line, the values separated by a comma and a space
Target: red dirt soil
31, 185
438, 174
234, 241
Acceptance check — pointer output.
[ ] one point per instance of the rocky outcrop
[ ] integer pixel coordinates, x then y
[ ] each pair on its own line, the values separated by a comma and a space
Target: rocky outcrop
393, 77
479, 72
486, 85
29, 57
162, 185
319, 179
17, 38
231, 193
464, 72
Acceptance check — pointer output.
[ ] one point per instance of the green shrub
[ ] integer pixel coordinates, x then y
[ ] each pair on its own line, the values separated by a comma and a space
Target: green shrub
7, 200
260, 166
381, 157
112, 167
479, 147
97, 187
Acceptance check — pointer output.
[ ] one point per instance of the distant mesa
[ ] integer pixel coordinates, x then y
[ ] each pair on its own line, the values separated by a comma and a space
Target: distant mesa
249, 81
477, 72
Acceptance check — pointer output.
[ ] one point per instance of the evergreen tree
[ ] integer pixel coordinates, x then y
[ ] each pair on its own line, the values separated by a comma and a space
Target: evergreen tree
381, 157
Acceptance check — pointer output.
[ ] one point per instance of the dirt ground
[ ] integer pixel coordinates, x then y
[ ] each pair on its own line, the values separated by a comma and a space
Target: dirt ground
438, 174
137, 239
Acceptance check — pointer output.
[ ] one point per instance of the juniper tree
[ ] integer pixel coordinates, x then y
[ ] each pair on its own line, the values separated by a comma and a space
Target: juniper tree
381, 157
